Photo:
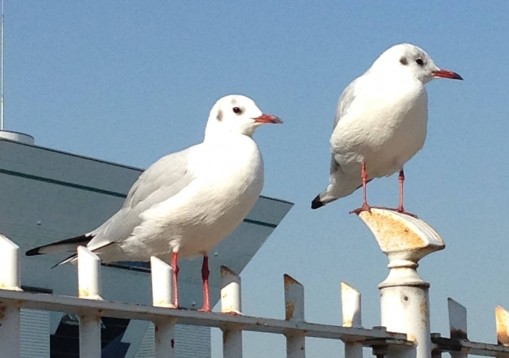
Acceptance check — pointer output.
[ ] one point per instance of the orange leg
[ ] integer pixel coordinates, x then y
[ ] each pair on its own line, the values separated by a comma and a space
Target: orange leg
175, 267
364, 176
401, 179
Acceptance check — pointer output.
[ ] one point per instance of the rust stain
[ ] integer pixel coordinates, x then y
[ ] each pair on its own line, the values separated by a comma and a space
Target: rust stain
424, 311
393, 233
289, 310
502, 318
226, 336
289, 281
458, 334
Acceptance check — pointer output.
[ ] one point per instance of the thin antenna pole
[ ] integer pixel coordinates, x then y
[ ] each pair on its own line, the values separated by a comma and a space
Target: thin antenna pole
2, 47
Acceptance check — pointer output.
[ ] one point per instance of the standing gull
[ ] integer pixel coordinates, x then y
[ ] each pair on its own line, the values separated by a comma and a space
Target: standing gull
381, 122
186, 202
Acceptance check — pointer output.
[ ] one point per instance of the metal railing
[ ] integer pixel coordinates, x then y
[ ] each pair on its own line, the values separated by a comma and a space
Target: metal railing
404, 330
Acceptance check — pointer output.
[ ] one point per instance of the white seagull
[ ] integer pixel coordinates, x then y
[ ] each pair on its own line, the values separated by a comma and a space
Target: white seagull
186, 202
381, 122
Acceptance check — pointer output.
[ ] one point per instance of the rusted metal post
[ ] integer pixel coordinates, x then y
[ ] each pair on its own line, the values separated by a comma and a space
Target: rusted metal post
457, 324
231, 304
404, 295
502, 319
351, 312
9, 313
162, 289
294, 311
89, 286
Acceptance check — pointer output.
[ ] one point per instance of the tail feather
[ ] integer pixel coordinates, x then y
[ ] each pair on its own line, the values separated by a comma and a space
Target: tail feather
68, 245
66, 260
317, 203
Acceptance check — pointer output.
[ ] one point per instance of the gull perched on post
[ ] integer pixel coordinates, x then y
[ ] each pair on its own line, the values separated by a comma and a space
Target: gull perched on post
381, 122
186, 202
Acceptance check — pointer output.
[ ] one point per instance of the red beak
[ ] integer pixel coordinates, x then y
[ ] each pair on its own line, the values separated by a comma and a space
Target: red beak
268, 118
447, 74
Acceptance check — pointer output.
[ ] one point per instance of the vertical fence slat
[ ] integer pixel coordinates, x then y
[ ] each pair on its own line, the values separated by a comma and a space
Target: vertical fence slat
90, 336
89, 277
9, 313
294, 311
164, 343
231, 304
232, 343
457, 324
231, 300
457, 319
9, 264
162, 285
351, 313
162, 296
502, 319
89, 286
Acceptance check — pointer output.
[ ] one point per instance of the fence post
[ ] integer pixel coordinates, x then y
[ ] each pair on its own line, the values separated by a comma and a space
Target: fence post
404, 295
162, 296
294, 311
457, 324
351, 313
502, 319
231, 304
89, 287
9, 313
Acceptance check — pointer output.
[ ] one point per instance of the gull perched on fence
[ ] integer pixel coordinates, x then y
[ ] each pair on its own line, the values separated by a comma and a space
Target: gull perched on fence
186, 202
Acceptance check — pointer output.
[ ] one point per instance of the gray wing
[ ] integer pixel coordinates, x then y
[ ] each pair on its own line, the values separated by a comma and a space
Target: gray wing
345, 101
162, 180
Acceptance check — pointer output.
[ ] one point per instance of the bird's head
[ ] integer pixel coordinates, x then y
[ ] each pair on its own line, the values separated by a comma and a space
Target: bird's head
237, 114
410, 60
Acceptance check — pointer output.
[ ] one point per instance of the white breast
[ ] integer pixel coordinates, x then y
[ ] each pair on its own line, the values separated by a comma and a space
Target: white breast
385, 131
228, 179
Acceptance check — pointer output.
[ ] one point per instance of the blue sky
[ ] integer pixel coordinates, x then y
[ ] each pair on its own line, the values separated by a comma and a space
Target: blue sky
130, 81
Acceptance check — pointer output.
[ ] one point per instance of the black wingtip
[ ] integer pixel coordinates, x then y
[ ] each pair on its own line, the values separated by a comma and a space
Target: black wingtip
65, 245
316, 203
33, 252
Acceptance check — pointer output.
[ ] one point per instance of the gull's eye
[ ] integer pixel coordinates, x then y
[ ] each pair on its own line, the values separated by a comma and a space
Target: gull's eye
420, 62
237, 110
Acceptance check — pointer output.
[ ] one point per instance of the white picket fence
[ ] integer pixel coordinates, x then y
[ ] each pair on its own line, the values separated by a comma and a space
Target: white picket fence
404, 330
